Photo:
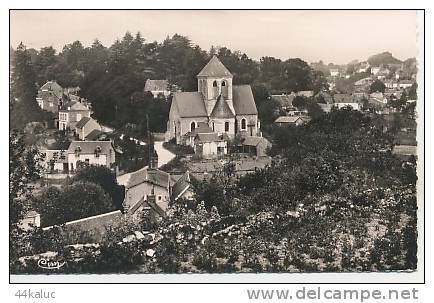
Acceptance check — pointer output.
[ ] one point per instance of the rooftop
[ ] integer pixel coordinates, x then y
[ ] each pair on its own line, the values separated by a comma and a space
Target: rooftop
214, 68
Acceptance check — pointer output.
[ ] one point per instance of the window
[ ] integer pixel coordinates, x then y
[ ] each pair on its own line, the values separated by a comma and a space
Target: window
243, 124
214, 84
78, 117
226, 126
213, 126
224, 83
159, 198
87, 161
192, 126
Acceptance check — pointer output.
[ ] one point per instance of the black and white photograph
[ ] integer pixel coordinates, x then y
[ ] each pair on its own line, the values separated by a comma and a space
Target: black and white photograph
168, 142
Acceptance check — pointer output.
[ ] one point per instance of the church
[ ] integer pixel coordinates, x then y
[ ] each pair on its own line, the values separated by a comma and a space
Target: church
227, 109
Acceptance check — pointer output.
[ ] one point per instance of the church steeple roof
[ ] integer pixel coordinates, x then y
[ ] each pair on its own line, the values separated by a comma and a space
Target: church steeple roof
221, 109
214, 68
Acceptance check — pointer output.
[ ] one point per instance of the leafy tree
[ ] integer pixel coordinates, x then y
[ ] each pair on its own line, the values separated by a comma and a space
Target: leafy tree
24, 108
72, 202
105, 178
24, 169
377, 86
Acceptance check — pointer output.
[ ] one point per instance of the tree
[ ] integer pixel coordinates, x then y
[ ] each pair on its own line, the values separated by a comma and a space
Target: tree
24, 169
105, 178
300, 102
72, 202
377, 86
24, 108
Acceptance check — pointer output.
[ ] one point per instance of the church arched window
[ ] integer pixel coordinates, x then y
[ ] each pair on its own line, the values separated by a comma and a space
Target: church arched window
214, 84
192, 126
225, 89
243, 124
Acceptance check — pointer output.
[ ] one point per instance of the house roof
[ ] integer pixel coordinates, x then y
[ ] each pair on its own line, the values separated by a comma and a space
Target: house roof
287, 119
83, 122
254, 141
181, 186
243, 101
88, 147
94, 135
153, 176
214, 68
208, 137
156, 85
221, 109
52, 86
189, 104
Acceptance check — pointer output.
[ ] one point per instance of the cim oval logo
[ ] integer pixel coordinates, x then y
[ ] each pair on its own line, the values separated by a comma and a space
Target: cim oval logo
50, 264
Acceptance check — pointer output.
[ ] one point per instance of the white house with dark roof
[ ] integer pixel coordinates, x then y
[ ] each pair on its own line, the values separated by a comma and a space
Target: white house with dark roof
226, 108
92, 153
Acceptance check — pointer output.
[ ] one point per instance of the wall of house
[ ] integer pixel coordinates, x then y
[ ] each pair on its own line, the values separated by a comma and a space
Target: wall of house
93, 160
134, 194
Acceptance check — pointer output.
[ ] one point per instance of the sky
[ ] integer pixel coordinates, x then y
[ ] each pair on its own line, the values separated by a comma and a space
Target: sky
331, 36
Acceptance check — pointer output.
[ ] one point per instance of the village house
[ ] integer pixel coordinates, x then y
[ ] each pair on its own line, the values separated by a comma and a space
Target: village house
71, 113
85, 126
284, 100
345, 100
55, 160
255, 146
402, 84
157, 87
210, 145
305, 93
153, 189
377, 97
91, 152
334, 72
50, 97
363, 68
226, 108
31, 219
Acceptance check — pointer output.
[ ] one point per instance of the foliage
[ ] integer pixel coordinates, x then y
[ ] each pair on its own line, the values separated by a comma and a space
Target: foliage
23, 104
72, 202
377, 86
103, 177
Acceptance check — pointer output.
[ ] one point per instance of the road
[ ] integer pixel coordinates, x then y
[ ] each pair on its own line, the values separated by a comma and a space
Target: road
164, 156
